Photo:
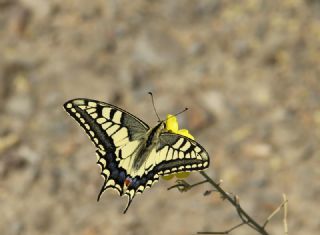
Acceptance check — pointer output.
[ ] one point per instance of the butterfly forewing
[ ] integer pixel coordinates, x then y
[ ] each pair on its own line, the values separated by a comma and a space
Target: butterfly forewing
107, 125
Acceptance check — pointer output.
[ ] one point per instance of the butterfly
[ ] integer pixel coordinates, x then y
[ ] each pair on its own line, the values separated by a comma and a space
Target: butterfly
132, 155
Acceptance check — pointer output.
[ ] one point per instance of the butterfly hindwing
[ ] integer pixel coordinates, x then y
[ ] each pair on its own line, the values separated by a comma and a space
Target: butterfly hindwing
116, 176
177, 153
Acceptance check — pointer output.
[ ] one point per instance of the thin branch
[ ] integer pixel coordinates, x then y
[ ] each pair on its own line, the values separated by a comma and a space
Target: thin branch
274, 212
244, 216
237, 200
180, 187
224, 232
285, 214
184, 186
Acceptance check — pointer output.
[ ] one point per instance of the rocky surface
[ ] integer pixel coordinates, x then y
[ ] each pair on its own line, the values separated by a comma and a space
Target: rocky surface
248, 71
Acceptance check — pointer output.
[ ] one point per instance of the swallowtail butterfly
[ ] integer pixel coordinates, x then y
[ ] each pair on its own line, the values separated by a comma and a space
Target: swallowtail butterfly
132, 155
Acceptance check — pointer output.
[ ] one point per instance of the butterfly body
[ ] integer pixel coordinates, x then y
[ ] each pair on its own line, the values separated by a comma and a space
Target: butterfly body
132, 156
148, 143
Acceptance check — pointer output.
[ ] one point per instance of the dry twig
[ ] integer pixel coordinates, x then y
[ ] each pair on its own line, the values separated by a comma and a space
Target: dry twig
246, 219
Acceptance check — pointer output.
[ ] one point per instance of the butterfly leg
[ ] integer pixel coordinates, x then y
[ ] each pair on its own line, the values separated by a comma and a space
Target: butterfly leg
102, 190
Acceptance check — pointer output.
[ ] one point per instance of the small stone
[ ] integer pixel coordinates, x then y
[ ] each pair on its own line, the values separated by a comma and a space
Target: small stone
275, 163
20, 103
261, 95
8, 141
241, 133
196, 48
316, 117
44, 220
258, 150
198, 118
28, 154
231, 175
215, 102
157, 48
241, 49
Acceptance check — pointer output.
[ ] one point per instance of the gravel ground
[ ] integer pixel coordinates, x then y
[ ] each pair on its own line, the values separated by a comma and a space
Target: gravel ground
247, 70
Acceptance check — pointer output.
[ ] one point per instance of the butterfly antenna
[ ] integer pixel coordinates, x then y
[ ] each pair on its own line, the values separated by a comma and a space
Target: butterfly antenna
177, 113
185, 109
154, 108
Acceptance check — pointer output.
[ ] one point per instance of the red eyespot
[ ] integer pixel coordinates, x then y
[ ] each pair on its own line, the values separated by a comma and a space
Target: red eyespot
128, 181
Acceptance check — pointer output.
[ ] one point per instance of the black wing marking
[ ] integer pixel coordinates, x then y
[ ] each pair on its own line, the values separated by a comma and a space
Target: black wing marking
177, 153
116, 177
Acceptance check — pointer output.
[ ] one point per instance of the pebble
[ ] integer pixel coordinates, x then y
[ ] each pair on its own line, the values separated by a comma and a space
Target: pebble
257, 150
19, 102
215, 103
8, 141
157, 48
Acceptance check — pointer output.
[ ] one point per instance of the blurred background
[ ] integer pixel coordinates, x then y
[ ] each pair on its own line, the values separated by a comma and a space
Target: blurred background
247, 70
